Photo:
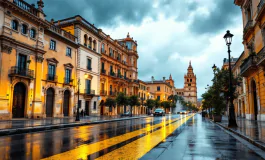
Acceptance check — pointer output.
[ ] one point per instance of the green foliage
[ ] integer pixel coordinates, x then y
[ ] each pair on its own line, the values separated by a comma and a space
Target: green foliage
122, 99
110, 102
157, 103
150, 103
133, 101
165, 104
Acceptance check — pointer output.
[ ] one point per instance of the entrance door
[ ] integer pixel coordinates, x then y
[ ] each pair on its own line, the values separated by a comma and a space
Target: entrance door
66, 103
255, 99
18, 109
87, 108
49, 102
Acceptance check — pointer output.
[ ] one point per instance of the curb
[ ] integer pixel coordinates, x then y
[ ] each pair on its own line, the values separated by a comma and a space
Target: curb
7, 132
242, 136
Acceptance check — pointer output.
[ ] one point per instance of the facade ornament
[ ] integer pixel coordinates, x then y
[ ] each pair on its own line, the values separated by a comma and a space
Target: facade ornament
7, 49
40, 5
39, 58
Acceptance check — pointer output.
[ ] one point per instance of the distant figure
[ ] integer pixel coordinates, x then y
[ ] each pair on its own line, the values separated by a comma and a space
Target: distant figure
82, 113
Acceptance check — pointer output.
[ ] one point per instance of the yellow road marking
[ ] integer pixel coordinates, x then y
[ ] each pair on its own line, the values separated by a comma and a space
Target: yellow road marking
81, 152
141, 146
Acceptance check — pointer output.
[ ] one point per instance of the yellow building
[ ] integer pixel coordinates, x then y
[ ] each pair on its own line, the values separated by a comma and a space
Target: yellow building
37, 63
161, 88
240, 102
143, 95
118, 70
252, 67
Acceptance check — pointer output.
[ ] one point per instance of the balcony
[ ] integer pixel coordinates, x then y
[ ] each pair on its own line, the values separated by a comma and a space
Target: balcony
260, 10
112, 74
26, 7
52, 77
68, 81
21, 72
62, 33
89, 92
89, 68
119, 76
261, 57
248, 29
248, 66
103, 51
103, 71
111, 93
103, 92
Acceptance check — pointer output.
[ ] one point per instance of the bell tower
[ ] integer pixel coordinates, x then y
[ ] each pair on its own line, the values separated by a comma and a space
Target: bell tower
190, 86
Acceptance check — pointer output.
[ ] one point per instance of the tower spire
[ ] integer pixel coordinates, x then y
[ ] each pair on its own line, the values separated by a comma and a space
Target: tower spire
170, 77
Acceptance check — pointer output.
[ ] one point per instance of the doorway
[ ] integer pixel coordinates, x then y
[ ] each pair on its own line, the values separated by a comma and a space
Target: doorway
66, 101
254, 93
49, 102
87, 108
19, 97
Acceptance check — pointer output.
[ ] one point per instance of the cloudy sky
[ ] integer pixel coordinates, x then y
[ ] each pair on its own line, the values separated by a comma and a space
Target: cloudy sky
169, 33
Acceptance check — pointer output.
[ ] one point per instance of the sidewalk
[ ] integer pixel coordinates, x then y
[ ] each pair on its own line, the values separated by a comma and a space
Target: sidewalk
250, 130
15, 126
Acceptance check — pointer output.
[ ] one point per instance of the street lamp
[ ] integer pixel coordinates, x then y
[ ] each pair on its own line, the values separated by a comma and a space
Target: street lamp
214, 68
231, 118
77, 118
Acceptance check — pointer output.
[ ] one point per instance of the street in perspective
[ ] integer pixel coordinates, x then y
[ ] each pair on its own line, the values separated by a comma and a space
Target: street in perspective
129, 80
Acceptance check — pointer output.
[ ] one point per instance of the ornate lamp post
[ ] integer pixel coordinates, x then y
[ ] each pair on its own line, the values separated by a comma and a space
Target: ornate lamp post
77, 118
231, 118
214, 68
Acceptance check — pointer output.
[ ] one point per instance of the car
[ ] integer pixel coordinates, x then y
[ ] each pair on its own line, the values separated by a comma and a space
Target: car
183, 112
126, 114
159, 112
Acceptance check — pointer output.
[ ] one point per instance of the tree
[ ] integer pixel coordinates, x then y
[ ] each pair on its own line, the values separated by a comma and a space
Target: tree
165, 104
122, 100
111, 103
157, 103
133, 101
150, 103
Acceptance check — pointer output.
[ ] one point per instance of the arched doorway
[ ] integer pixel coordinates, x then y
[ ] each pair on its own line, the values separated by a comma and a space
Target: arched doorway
49, 102
102, 107
66, 101
19, 97
254, 93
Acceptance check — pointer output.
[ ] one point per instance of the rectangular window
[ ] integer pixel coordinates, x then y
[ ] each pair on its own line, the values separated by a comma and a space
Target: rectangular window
158, 88
68, 52
88, 86
158, 98
89, 64
51, 72
95, 105
52, 45
102, 48
67, 76
189, 84
22, 62
111, 69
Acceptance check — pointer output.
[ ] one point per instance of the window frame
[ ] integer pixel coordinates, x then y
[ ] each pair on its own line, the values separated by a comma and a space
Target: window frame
24, 26
30, 33
17, 25
68, 49
89, 64
51, 45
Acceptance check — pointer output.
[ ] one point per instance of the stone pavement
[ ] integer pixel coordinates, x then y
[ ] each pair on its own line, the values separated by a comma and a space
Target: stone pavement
199, 138
8, 127
251, 130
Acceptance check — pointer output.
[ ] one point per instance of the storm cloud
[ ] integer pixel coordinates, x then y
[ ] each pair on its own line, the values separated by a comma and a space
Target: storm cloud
170, 33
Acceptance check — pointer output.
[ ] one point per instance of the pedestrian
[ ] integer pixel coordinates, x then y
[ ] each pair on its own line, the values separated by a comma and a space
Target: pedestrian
82, 113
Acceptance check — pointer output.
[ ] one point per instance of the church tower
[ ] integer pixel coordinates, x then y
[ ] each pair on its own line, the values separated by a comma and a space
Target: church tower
190, 86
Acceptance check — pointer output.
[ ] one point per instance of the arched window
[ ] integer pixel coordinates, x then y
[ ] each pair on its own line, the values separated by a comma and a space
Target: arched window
85, 40
90, 42
15, 25
32, 33
187, 80
24, 29
94, 45
190, 80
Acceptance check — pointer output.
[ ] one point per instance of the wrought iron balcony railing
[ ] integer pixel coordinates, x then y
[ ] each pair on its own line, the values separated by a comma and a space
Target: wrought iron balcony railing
103, 92
248, 65
52, 77
68, 80
112, 93
112, 74
89, 92
18, 71
261, 56
103, 71
25, 6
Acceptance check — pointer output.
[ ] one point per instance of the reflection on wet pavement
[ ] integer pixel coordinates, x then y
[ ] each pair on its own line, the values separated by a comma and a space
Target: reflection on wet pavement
201, 139
255, 130
45, 144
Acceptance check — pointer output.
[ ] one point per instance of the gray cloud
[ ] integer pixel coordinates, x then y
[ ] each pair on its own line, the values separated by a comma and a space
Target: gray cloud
220, 17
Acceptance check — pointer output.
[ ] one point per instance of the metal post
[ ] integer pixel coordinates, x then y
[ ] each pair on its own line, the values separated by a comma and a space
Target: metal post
231, 117
77, 118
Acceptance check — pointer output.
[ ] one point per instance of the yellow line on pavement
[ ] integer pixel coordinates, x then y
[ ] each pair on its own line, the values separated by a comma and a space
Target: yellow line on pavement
81, 152
140, 147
